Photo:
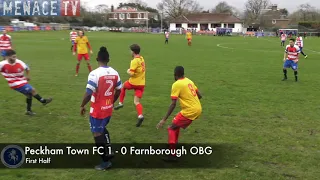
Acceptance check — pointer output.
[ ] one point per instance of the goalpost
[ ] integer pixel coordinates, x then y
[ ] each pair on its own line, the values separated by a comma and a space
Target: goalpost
289, 31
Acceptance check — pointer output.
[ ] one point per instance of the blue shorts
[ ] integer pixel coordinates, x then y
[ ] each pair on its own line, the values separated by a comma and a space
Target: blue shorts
26, 89
98, 125
301, 48
3, 53
290, 64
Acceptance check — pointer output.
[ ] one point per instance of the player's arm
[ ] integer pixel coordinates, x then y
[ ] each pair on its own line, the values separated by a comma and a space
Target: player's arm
117, 90
89, 46
27, 70
133, 67
197, 91
75, 46
175, 92
285, 55
90, 89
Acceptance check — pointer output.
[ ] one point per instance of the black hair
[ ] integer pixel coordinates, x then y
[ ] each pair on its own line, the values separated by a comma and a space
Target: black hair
179, 71
135, 48
10, 52
292, 40
103, 55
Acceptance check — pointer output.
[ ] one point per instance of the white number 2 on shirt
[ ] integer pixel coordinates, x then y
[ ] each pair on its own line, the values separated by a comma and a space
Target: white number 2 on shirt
110, 86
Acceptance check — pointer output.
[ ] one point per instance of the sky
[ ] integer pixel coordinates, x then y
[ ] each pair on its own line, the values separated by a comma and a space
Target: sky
291, 5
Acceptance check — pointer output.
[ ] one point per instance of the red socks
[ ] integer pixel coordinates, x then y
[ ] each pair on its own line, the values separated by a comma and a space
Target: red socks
122, 95
77, 68
173, 136
139, 109
89, 67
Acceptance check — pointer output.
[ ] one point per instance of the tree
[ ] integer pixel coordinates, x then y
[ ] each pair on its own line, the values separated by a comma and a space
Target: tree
284, 12
306, 12
223, 7
140, 2
253, 9
102, 8
176, 8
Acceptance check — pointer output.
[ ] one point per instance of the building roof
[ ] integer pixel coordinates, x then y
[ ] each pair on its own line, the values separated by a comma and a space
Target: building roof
207, 18
127, 9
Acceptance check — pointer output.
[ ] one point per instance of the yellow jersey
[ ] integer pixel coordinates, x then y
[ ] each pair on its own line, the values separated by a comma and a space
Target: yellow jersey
82, 44
138, 71
189, 35
186, 91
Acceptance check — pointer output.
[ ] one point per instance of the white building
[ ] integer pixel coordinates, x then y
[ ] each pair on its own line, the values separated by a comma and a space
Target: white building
207, 21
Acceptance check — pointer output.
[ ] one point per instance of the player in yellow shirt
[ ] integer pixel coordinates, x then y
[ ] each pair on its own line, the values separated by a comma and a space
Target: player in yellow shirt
188, 94
189, 37
137, 81
81, 45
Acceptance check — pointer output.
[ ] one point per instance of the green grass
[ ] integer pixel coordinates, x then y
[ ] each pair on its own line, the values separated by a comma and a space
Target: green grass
265, 128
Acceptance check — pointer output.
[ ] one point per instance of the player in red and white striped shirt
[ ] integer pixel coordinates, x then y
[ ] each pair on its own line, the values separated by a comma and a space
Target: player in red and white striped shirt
13, 70
73, 36
5, 43
290, 59
299, 42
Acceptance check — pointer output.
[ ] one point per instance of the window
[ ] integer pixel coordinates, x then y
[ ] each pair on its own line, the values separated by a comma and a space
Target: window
192, 25
178, 25
139, 15
128, 16
230, 25
115, 16
121, 16
215, 25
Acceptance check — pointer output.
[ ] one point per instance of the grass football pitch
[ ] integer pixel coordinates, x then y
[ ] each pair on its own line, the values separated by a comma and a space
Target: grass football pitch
262, 127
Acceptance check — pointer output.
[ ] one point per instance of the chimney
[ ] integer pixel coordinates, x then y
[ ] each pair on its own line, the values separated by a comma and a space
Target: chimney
274, 7
112, 8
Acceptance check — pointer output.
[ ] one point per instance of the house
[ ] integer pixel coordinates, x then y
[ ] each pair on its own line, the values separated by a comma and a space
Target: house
128, 14
273, 17
207, 21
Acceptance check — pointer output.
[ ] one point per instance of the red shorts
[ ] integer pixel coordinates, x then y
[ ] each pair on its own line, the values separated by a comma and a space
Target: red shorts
181, 121
85, 56
138, 90
189, 39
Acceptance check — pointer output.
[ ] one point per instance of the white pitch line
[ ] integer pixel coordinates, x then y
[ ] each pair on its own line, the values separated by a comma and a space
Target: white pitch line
258, 50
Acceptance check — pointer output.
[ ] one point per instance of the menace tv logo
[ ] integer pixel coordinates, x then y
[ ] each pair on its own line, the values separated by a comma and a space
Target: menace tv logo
39, 7
12, 156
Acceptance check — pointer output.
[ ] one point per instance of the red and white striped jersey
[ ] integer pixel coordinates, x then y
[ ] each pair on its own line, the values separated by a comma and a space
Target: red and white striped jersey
73, 35
299, 41
5, 42
293, 52
283, 37
167, 35
102, 83
14, 73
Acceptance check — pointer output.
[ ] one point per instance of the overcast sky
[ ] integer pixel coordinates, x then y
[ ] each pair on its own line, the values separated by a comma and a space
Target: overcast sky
291, 5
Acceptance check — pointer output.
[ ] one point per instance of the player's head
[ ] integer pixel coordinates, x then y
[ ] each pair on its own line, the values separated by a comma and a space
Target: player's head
291, 42
103, 55
4, 32
81, 33
178, 72
11, 55
73, 29
135, 49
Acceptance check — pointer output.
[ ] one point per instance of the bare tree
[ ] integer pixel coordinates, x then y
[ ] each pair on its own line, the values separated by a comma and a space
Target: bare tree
253, 9
306, 12
176, 8
140, 2
223, 7
102, 8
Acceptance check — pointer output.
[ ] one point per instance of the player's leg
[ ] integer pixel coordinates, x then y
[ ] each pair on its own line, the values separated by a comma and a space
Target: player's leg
286, 65
301, 51
87, 58
72, 44
79, 58
29, 104
37, 96
178, 122
139, 107
295, 70
102, 139
126, 86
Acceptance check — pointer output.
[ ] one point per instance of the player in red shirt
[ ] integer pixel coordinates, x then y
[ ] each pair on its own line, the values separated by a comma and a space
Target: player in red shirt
13, 71
73, 36
103, 89
290, 59
5, 43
